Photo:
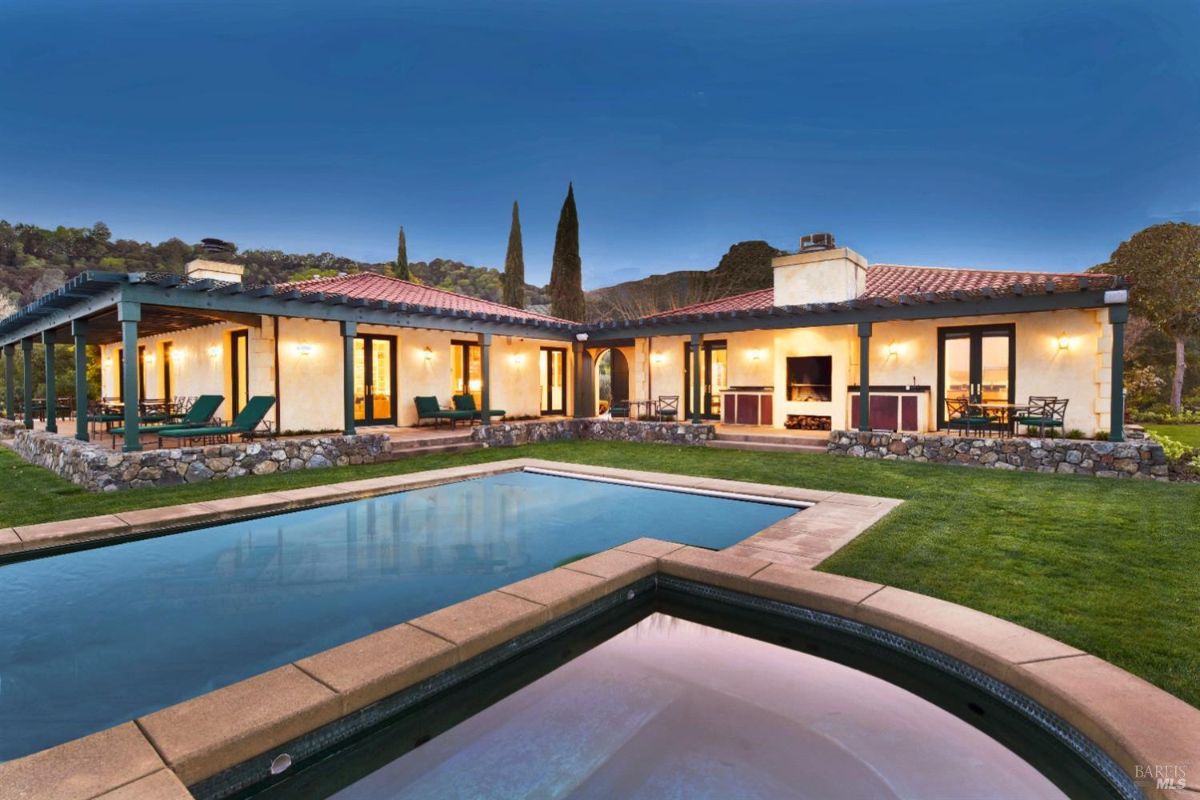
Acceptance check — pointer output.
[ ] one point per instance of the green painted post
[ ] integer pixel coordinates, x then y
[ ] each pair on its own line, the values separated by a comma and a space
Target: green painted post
589, 386
864, 376
349, 331
48, 339
1118, 315
79, 331
27, 357
695, 347
10, 393
129, 314
577, 370
485, 359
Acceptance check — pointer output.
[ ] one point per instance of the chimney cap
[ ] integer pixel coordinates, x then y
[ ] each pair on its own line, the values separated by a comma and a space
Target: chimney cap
217, 246
816, 241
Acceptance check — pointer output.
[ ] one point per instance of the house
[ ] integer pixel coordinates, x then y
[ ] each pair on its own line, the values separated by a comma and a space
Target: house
836, 343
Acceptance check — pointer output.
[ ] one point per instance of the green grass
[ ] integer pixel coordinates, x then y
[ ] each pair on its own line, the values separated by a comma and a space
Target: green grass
1184, 434
1107, 566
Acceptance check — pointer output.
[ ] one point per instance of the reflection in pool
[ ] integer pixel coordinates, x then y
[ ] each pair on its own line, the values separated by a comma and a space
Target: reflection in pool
672, 708
93, 638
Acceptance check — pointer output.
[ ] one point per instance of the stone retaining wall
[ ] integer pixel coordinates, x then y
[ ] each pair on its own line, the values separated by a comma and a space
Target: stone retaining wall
99, 469
507, 434
1140, 459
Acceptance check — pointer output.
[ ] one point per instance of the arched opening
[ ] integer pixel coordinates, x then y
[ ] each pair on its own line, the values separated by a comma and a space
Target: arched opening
611, 379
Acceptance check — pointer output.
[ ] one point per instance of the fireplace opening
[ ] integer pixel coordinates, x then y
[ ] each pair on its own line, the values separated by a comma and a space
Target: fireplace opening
810, 378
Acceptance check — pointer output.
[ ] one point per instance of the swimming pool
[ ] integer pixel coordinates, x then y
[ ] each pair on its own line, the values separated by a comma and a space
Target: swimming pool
92, 638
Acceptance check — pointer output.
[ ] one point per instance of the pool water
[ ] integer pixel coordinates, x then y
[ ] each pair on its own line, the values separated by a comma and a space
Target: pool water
93, 638
673, 708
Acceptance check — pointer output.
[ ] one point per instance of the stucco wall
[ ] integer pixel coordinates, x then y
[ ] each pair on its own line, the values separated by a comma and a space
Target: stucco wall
1081, 372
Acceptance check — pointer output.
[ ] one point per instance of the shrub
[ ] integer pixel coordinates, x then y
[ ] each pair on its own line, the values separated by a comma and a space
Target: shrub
1176, 452
1075, 433
1101, 436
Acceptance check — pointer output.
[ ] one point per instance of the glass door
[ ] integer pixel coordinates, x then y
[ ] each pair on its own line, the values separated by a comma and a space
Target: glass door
553, 375
239, 370
466, 370
375, 380
976, 363
714, 378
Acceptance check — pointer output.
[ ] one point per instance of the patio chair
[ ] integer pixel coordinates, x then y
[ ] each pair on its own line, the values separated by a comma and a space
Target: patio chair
103, 414
668, 407
619, 409
244, 424
466, 402
429, 408
1052, 415
198, 416
959, 418
1036, 410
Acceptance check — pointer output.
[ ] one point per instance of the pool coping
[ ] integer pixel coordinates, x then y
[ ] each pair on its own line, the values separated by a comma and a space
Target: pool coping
1135, 723
829, 520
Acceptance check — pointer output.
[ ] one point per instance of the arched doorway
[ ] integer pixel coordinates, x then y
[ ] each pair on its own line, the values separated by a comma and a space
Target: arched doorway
611, 379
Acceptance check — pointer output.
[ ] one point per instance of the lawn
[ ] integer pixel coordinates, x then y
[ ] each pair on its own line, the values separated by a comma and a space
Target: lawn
1184, 434
1107, 566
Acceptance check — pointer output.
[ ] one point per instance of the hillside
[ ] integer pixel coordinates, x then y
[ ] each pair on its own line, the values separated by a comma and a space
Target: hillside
35, 260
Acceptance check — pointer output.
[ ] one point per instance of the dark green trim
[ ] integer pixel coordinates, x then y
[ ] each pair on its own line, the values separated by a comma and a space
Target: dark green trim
975, 333
48, 341
349, 332
866, 310
27, 357
485, 374
864, 376
695, 348
1117, 316
129, 315
9, 384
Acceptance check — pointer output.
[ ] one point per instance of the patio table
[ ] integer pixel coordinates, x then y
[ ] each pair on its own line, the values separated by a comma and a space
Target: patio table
650, 405
1005, 413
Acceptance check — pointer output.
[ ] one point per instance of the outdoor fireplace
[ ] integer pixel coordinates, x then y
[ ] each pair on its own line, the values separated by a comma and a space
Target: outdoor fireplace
810, 378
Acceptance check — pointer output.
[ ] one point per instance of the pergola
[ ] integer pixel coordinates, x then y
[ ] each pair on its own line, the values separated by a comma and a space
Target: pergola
105, 308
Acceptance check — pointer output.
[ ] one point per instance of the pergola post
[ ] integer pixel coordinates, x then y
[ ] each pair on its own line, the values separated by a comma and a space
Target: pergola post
485, 360
27, 358
349, 332
1118, 315
48, 340
10, 410
864, 376
694, 345
129, 314
79, 331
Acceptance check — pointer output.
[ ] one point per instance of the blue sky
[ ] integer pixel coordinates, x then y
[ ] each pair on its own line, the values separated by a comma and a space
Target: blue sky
1016, 134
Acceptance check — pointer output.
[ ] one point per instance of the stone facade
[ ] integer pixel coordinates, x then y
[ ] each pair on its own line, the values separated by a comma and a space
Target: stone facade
1140, 459
507, 434
103, 470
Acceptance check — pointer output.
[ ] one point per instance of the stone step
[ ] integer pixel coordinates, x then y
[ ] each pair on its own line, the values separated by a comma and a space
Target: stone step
778, 438
395, 454
766, 447
430, 441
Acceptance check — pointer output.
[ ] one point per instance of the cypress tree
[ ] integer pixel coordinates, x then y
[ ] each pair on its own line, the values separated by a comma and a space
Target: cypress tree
566, 270
401, 270
514, 264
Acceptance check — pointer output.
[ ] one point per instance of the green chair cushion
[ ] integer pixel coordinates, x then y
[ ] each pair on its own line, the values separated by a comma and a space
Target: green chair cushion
427, 406
452, 414
187, 433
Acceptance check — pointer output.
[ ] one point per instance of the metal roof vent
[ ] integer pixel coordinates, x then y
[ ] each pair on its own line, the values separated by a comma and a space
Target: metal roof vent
816, 241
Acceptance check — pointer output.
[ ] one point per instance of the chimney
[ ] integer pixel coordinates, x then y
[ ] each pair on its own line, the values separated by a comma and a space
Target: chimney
226, 271
819, 273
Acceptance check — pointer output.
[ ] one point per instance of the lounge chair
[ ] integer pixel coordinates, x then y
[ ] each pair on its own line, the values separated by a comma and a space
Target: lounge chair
429, 408
243, 424
198, 416
466, 402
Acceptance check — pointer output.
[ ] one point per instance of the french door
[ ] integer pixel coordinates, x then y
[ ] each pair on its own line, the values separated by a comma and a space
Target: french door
375, 380
553, 369
239, 369
714, 378
466, 370
977, 363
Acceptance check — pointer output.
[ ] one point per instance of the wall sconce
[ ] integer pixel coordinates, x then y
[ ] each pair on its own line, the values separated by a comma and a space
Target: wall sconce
658, 358
757, 354
214, 351
177, 355
517, 359
1063, 342
304, 349
427, 354
892, 350
149, 359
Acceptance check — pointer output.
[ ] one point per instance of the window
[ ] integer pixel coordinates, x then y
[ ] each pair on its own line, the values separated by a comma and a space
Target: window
553, 374
239, 369
166, 371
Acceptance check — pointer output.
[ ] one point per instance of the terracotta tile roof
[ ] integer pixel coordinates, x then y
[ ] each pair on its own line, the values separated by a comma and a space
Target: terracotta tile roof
893, 280
373, 286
